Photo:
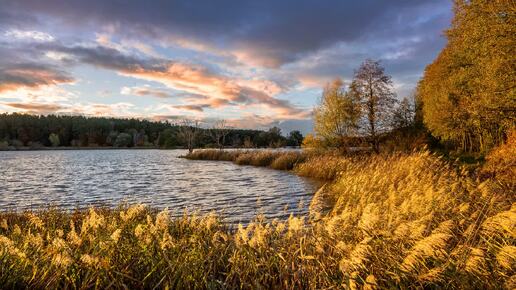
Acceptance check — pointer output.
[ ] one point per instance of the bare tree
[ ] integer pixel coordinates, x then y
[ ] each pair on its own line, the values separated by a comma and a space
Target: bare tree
188, 131
219, 131
373, 88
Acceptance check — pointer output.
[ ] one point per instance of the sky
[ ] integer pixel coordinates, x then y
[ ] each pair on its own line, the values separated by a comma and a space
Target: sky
256, 64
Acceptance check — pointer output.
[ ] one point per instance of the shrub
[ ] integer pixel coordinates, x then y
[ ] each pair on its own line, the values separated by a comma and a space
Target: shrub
501, 162
123, 140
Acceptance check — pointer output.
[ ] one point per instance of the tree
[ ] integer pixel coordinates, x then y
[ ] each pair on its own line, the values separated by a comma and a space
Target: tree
248, 143
468, 92
336, 117
295, 138
404, 114
111, 138
54, 139
167, 138
218, 132
188, 132
373, 88
312, 142
123, 140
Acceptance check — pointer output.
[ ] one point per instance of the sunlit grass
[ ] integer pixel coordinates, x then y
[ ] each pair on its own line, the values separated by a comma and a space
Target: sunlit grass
405, 220
283, 160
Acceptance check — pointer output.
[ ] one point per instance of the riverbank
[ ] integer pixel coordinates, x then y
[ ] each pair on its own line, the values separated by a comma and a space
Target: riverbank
27, 148
403, 220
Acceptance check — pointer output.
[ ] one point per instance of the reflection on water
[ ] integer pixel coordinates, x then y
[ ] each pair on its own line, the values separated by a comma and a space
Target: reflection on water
70, 179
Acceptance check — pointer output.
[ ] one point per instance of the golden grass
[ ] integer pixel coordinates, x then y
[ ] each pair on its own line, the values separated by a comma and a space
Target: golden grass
282, 160
398, 221
501, 162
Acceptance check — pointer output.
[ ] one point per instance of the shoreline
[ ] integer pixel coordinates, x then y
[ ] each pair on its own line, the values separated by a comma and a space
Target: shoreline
68, 148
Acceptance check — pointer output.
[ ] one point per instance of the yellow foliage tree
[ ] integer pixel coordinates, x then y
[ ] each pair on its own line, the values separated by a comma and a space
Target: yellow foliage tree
468, 92
336, 117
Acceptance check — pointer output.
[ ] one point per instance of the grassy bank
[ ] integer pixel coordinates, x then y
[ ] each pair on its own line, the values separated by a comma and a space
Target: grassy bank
281, 160
325, 167
406, 220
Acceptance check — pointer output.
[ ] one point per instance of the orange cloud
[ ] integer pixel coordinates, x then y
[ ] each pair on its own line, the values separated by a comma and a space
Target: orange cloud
219, 90
35, 107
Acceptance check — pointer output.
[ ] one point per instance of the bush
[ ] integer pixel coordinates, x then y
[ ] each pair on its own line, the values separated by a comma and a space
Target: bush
123, 140
501, 162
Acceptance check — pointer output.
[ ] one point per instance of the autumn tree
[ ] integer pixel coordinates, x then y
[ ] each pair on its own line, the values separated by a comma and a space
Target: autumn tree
336, 117
188, 132
373, 88
219, 131
469, 92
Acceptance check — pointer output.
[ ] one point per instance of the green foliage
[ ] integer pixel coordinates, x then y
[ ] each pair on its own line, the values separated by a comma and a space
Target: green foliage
123, 140
468, 92
294, 138
79, 131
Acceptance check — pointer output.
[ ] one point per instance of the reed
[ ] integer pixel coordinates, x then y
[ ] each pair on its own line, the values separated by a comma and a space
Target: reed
398, 221
282, 160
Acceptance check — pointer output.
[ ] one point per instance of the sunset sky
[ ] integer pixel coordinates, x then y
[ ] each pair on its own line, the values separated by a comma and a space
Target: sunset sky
254, 63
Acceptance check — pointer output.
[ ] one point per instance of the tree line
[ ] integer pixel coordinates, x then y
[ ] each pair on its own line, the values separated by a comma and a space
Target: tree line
466, 99
35, 131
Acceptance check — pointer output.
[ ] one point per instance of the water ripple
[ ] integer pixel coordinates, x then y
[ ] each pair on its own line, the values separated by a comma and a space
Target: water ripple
70, 179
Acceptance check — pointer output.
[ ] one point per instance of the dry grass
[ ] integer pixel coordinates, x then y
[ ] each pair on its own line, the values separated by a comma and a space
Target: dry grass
282, 160
399, 221
501, 162
325, 166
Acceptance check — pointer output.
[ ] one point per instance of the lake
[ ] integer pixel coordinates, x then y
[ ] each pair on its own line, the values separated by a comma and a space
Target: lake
81, 178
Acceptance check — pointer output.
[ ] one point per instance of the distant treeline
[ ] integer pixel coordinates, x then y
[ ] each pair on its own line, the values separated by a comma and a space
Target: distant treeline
23, 130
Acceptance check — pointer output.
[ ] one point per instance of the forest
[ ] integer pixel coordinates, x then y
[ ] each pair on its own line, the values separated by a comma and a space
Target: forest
32, 131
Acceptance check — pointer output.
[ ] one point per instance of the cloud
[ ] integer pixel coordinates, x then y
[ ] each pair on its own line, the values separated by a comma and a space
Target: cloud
267, 33
247, 59
35, 107
195, 108
145, 91
190, 78
15, 76
29, 35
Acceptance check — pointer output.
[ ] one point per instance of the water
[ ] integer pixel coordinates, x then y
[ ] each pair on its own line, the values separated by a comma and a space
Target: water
81, 178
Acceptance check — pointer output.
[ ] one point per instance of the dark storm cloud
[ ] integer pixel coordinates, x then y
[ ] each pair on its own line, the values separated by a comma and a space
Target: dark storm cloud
271, 32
